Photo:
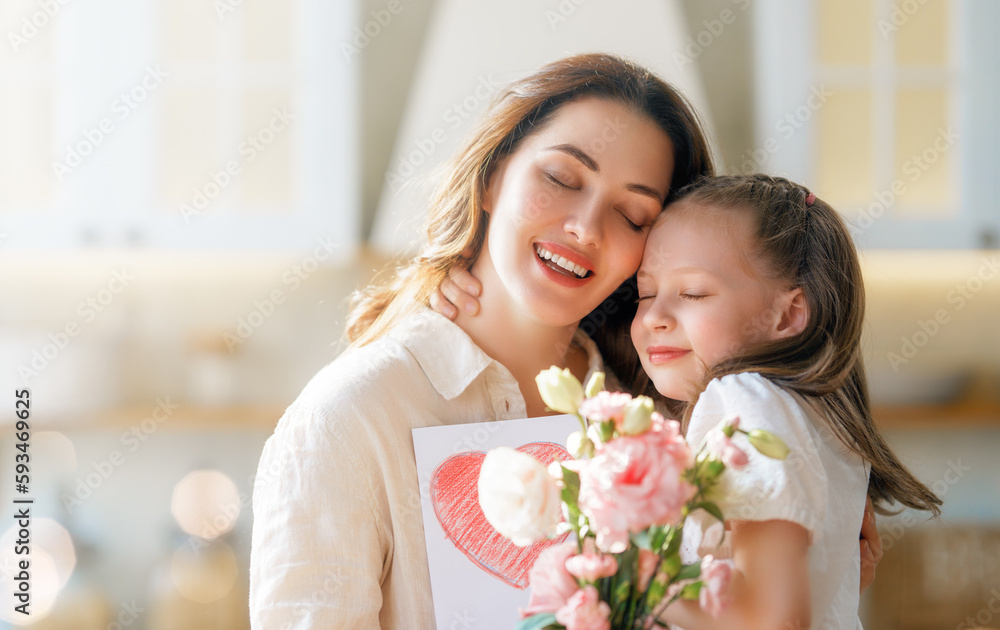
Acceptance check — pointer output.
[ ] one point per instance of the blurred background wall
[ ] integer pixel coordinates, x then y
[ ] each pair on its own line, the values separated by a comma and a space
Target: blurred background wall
189, 190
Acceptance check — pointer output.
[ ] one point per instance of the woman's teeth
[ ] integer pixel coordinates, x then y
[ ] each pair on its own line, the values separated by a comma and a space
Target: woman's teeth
574, 268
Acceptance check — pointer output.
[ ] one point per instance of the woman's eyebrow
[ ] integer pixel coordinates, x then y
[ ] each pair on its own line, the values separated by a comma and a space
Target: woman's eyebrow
589, 162
649, 192
578, 153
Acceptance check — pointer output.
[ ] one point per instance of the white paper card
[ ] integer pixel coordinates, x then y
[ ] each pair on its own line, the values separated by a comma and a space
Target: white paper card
466, 593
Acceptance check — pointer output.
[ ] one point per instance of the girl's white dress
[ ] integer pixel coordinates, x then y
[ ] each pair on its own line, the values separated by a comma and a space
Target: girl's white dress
821, 486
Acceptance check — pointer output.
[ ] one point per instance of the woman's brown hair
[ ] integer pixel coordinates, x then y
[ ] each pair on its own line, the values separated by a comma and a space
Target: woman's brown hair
456, 224
803, 242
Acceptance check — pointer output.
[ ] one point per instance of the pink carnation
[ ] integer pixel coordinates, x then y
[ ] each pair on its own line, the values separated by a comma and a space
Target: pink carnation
721, 446
715, 595
551, 584
585, 611
592, 566
605, 406
635, 482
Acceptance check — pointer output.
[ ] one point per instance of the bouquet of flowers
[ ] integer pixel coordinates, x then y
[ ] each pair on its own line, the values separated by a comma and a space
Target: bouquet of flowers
625, 497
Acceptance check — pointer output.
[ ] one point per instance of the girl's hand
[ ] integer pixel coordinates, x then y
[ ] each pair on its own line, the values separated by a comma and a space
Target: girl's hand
459, 290
871, 546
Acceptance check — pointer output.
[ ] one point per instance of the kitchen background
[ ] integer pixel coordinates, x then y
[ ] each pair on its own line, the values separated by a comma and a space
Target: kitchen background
190, 189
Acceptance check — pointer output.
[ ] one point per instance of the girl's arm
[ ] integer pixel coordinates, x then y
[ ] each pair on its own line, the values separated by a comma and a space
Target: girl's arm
770, 586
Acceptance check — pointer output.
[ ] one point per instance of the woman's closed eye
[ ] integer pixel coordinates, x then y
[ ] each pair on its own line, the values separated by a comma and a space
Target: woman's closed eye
635, 227
559, 182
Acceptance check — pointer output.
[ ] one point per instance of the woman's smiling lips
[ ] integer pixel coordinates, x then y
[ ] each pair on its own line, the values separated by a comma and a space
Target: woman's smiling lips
663, 354
562, 265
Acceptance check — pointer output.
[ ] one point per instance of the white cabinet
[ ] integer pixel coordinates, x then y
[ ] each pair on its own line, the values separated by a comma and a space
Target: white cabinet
179, 124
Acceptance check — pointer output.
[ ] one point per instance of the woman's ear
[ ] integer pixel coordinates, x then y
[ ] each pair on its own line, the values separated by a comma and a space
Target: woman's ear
493, 185
793, 313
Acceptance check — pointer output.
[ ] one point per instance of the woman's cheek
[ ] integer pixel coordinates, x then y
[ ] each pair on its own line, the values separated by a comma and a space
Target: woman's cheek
540, 202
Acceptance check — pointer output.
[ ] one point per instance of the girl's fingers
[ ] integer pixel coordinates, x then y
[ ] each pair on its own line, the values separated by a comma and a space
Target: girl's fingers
441, 304
869, 531
458, 296
466, 281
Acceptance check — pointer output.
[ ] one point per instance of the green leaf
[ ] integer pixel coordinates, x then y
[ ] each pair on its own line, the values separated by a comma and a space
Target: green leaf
689, 571
537, 622
709, 507
571, 487
691, 591
673, 542
671, 565
607, 430
655, 593
658, 537
643, 540
621, 592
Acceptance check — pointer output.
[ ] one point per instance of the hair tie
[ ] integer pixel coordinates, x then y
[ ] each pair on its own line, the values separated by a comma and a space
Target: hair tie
810, 198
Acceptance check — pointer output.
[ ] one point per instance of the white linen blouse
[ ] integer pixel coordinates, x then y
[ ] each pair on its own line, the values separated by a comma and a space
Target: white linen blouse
338, 540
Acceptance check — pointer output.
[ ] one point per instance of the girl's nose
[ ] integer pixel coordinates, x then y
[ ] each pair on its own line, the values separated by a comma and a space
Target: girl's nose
658, 316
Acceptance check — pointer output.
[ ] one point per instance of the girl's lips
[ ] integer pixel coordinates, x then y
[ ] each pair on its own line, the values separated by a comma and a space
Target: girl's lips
663, 354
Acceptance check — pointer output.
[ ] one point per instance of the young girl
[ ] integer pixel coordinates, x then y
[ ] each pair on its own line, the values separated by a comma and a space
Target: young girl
751, 304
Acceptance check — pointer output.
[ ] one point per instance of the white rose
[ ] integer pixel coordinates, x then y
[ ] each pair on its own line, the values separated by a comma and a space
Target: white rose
518, 497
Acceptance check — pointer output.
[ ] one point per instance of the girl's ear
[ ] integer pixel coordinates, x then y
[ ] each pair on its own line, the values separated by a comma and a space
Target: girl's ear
793, 314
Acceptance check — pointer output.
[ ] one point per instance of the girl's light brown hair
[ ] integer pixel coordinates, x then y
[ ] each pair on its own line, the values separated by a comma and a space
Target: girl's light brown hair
802, 242
456, 225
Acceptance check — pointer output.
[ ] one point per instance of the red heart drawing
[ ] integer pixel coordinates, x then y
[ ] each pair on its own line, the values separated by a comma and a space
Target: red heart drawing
455, 496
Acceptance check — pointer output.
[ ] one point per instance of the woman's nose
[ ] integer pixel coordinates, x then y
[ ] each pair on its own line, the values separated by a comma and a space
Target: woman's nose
586, 224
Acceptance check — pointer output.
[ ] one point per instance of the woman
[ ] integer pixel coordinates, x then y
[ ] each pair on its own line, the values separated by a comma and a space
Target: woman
550, 203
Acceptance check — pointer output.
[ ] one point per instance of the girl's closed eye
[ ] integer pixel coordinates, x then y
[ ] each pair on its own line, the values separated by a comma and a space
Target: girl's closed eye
693, 295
